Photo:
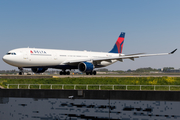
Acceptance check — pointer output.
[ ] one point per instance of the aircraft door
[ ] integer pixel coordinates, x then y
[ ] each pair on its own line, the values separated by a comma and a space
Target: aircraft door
55, 56
25, 55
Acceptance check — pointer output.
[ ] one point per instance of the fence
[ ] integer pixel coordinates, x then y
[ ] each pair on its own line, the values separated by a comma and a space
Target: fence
95, 86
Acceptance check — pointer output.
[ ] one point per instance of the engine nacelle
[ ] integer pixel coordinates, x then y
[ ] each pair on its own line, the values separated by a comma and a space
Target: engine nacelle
39, 70
85, 67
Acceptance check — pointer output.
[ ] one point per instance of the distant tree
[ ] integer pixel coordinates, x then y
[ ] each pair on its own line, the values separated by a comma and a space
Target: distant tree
166, 69
145, 69
120, 71
102, 70
129, 70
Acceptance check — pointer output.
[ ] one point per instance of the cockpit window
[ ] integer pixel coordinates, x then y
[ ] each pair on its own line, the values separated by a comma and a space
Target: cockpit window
10, 53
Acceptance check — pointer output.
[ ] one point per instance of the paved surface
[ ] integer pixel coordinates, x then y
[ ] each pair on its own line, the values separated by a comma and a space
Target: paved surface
62, 76
75, 76
25, 76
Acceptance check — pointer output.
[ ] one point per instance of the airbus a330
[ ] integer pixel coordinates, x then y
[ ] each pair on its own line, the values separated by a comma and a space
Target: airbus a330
39, 60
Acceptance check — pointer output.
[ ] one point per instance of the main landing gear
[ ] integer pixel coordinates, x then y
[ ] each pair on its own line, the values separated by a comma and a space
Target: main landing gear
21, 71
91, 73
64, 72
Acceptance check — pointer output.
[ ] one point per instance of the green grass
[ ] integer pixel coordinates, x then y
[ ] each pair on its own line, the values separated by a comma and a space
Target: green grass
98, 81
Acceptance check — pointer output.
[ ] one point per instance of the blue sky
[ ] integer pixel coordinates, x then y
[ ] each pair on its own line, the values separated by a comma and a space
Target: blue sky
151, 26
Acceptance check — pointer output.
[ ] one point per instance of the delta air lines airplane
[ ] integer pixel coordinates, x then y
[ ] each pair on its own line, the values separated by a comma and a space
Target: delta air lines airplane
39, 60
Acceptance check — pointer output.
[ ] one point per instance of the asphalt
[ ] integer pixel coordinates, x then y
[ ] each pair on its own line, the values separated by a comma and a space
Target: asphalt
76, 76
63, 76
25, 76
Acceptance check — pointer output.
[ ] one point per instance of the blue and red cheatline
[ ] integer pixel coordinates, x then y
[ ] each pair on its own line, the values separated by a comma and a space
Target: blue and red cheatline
119, 44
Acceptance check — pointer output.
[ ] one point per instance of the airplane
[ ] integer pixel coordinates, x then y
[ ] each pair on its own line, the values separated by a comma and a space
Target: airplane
39, 60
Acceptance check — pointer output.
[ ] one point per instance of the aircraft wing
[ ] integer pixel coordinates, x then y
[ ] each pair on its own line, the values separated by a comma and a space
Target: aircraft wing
120, 58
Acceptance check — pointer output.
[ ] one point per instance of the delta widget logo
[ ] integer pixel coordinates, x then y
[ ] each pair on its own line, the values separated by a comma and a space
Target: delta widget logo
37, 52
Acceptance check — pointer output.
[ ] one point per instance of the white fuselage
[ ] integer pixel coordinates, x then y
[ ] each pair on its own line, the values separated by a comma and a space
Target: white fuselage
35, 57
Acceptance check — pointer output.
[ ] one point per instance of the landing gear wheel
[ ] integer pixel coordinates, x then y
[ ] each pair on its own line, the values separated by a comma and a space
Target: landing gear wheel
20, 73
68, 73
61, 73
64, 73
94, 72
87, 73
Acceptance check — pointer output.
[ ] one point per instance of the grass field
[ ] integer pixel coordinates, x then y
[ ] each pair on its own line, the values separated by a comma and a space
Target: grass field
98, 81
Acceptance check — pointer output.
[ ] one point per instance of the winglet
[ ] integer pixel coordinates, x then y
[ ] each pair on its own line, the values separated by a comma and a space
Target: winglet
173, 51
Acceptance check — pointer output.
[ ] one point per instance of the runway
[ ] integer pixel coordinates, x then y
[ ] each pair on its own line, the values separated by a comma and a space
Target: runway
76, 76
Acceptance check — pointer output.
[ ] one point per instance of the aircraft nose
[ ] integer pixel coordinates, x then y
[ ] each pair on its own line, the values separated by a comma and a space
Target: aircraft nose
4, 58
8, 60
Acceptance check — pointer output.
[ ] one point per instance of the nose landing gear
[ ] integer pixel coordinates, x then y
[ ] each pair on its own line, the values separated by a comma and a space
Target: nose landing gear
21, 71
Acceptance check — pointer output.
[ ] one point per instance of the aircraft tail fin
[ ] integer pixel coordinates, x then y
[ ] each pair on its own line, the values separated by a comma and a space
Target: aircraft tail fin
119, 44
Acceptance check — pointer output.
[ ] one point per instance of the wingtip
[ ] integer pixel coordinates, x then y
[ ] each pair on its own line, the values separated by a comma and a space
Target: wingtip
173, 51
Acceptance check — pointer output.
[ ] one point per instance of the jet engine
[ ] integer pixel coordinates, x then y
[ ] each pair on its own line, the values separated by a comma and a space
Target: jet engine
85, 67
39, 70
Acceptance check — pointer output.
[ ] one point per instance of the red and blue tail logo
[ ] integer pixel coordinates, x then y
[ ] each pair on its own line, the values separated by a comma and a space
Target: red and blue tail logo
119, 44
